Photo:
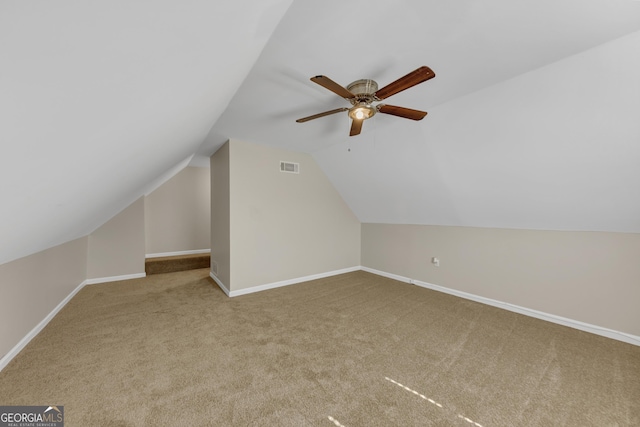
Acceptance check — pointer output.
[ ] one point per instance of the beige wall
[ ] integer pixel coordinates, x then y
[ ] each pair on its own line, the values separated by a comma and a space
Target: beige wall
31, 287
285, 226
220, 220
117, 248
177, 213
591, 277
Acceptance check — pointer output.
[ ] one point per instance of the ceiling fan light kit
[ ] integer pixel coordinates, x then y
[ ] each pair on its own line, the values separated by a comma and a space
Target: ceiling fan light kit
363, 93
362, 111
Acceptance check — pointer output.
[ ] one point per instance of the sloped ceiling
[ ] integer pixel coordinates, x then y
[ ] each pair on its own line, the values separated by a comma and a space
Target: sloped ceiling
557, 148
98, 99
531, 116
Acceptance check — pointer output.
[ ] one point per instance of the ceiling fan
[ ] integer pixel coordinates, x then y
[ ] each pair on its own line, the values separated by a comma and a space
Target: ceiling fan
364, 92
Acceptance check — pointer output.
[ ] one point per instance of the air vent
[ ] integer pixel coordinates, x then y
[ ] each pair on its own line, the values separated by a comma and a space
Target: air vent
289, 167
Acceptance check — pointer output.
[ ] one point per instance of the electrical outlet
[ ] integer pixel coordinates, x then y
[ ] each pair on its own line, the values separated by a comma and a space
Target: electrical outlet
435, 261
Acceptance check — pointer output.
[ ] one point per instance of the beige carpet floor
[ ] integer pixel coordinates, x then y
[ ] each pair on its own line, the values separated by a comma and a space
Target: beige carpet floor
350, 350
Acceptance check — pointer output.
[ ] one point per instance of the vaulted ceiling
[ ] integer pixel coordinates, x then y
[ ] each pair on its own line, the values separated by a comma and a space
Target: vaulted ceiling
532, 115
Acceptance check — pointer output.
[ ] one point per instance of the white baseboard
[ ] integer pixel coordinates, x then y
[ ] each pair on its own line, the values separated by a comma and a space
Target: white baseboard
598, 330
609, 333
178, 253
220, 284
385, 274
283, 282
115, 278
39, 327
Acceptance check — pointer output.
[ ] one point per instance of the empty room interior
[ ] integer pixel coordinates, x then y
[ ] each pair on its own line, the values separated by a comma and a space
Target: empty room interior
333, 213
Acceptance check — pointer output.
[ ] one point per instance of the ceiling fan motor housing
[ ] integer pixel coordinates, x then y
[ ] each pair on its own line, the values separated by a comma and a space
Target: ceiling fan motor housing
363, 90
363, 87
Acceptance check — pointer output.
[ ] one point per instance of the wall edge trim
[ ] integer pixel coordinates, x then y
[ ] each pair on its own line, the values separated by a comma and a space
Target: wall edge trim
178, 253
115, 278
39, 327
575, 324
219, 283
288, 282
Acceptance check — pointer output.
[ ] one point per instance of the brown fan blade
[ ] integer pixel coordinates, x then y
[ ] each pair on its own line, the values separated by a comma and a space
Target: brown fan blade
415, 77
334, 87
326, 113
356, 127
407, 113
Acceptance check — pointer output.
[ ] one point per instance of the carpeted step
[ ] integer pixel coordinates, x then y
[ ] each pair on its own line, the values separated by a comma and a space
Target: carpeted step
176, 263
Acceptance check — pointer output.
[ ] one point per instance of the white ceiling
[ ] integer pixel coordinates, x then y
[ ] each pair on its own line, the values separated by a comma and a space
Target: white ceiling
98, 99
532, 114
470, 45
